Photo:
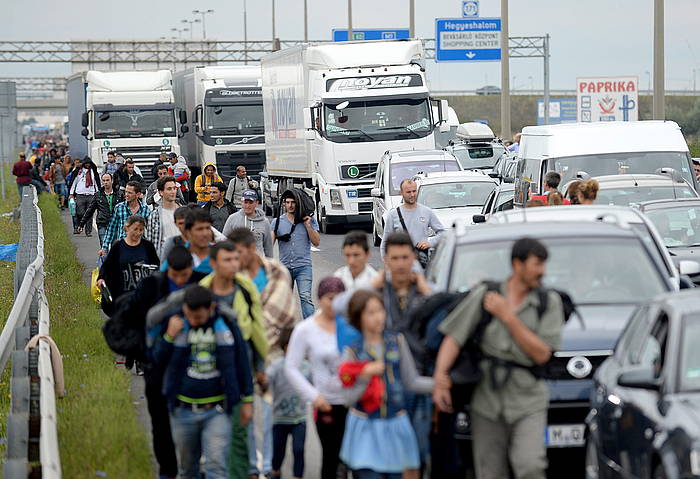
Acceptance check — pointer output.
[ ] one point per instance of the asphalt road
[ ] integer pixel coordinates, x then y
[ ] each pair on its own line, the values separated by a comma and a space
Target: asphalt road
325, 262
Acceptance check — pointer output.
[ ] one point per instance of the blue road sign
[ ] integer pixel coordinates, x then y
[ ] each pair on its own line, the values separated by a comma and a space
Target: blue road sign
467, 39
470, 8
341, 34
561, 110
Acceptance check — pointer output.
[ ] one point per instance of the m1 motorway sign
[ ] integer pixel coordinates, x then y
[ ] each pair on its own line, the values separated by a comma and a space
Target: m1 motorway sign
341, 34
467, 39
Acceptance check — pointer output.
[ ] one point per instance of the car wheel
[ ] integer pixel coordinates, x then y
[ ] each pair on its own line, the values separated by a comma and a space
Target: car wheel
592, 464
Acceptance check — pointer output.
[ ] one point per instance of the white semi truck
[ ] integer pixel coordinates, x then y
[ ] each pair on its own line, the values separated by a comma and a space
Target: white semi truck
130, 112
333, 110
225, 104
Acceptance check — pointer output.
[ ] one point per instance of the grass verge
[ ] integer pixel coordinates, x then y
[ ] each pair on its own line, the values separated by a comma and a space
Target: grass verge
97, 426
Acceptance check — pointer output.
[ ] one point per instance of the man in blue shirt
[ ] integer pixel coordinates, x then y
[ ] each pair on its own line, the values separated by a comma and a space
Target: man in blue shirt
295, 249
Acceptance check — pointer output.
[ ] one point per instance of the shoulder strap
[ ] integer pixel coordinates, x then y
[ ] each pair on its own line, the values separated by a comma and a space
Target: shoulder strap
403, 223
544, 301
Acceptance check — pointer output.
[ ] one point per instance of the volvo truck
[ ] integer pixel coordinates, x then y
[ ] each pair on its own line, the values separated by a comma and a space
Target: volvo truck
333, 110
131, 112
225, 106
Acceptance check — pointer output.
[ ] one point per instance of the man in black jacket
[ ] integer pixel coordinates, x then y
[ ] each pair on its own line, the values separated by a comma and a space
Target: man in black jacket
127, 174
150, 291
218, 207
104, 202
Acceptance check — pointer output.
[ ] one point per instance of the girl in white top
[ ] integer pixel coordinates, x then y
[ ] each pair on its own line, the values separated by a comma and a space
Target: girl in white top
315, 339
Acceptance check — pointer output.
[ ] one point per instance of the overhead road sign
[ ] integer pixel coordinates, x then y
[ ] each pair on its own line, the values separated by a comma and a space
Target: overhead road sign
608, 98
470, 8
341, 34
561, 110
467, 39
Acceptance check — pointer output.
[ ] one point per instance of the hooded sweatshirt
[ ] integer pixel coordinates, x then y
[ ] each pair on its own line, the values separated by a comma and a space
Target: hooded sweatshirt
258, 225
203, 182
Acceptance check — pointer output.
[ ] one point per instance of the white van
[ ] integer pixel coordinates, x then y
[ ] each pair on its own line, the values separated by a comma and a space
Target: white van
598, 149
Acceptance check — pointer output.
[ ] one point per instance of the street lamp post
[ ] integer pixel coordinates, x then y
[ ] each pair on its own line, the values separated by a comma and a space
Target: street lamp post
412, 19
658, 102
306, 21
505, 73
349, 20
191, 22
245, 32
203, 13
179, 31
273, 21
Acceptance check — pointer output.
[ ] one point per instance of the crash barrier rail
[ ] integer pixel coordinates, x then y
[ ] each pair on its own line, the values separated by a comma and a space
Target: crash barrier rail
32, 440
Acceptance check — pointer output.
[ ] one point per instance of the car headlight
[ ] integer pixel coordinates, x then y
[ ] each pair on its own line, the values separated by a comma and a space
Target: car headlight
336, 202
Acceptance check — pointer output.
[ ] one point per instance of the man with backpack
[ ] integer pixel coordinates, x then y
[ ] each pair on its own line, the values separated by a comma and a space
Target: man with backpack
514, 327
415, 219
296, 234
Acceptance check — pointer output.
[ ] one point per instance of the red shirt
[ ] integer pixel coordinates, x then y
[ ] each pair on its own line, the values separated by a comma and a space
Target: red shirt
23, 171
543, 199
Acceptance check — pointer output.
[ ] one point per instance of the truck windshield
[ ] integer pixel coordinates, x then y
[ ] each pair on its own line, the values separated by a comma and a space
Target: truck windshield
622, 163
235, 119
134, 123
378, 120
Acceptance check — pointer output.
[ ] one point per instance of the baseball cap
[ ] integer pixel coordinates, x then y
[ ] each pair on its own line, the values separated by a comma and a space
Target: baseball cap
250, 195
172, 154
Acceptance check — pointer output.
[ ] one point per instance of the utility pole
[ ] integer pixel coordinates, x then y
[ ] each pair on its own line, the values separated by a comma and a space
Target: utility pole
505, 74
412, 19
350, 20
306, 21
203, 13
245, 33
658, 103
273, 22
545, 48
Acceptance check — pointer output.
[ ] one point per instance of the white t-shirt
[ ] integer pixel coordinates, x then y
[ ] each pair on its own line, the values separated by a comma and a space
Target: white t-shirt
167, 219
363, 280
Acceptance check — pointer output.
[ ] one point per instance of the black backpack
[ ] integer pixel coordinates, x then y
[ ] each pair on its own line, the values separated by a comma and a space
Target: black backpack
305, 206
465, 371
121, 334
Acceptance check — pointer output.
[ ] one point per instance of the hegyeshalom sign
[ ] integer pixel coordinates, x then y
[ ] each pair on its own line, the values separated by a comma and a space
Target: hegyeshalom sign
467, 39
607, 99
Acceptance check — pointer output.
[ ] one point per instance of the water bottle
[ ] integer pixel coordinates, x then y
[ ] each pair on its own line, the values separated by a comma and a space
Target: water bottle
71, 206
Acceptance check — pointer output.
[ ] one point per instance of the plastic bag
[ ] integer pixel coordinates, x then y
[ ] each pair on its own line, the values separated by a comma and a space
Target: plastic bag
95, 291
71, 206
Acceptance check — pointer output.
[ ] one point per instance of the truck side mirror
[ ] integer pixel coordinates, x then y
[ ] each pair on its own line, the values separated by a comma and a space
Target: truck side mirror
84, 132
184, 129
84, 120
308, 123
183, 118
309, 135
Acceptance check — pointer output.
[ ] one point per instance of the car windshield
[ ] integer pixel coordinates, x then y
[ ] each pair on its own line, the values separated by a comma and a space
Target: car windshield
622, 164
235, 119
678, 226
640, 194
134, 123
592, 271
689, 374
478, 157
378, 120
455, 195
409, 169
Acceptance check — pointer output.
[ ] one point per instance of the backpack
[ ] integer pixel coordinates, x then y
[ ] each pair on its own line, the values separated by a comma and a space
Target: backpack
465, 371
305, 206
121, 336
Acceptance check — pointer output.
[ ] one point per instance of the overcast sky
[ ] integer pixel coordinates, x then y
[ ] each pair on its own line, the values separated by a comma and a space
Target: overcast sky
588, 37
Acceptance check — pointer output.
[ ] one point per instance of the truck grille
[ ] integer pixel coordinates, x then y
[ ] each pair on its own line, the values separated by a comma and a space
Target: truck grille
228, 161
364, 207
364, 192
144, 157
358, 172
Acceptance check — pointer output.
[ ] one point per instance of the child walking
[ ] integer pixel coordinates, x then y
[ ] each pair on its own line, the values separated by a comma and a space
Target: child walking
288, 413
379, 442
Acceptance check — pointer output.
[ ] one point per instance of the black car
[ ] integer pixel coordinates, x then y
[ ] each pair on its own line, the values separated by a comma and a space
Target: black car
606, 269
678, 223
645, 409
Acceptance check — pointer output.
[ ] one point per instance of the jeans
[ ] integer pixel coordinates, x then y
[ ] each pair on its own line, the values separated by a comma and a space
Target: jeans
266, 409
420, 411
19, 191
207, 431
81, 205
370, 474
331, 427
163, 446
280, 432
303, 277
101, 232
60, 190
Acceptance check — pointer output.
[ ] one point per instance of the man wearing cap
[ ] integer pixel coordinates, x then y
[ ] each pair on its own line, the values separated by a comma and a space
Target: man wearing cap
251, 216
218, 207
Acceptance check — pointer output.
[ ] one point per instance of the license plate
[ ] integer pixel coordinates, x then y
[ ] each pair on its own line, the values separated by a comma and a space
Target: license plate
352, 193
565, 435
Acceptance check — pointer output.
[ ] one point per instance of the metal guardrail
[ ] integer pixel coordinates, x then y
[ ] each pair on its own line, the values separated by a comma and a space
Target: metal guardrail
32, 440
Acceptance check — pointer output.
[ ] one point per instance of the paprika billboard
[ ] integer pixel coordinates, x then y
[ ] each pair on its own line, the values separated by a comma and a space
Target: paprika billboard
607, 99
